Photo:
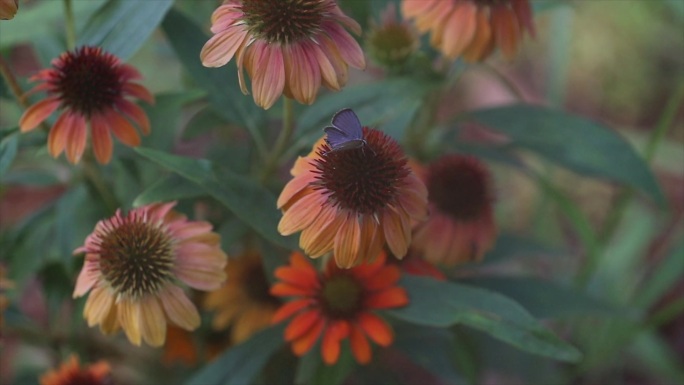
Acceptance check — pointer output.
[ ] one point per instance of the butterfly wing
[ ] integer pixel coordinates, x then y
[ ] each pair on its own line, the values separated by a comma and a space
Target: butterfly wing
336, 137
347, 121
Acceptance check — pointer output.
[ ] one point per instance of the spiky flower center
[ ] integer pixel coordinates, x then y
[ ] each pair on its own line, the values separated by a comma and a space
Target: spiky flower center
458, 186
341, 297
365, 179
87, 80
285, 21
136, 257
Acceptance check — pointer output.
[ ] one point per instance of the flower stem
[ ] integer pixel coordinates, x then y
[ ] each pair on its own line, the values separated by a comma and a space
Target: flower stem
94, 177
11, 81
283, 140
70, 25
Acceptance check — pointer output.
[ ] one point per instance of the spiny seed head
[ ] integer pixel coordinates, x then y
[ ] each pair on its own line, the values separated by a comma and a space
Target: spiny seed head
341, 297
285, 21
87, 80
365, 179
459, 186
136, 257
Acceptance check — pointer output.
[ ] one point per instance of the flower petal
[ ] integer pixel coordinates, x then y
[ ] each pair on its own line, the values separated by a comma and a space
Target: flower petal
221, 47
102, 139
301, 213
301, 323
37, 113
376, 328
152, 321
76, 139
359, 345
129, 318
347, 242
98, 305
178, 308
289, 309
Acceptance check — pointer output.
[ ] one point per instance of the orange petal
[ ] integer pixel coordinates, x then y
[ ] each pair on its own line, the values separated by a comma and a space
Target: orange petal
289, 309
506, 30
138, 91
459, 29
301, 323
37, 113
221, 47
359, 346
301, 214
318, 237
76, 139
307, 341
268, 70
98, 305
291, 189
328, 74
347, 46
330, 348
122, 128
347, 242
304, 77
394, 232
135, 113
102, 139
385, 278
286, 290
179, 308
393, 297
376, 328
129, 318
305, 278
152, 321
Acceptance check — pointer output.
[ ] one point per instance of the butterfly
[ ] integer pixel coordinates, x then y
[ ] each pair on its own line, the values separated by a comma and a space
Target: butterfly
345, 131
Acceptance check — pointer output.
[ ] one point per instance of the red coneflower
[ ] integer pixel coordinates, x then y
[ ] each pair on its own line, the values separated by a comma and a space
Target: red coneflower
337, 304
70, 373
353, 201
8, 8
133, 265
88, 86
244, 303
472, 28
287, 46
461, 225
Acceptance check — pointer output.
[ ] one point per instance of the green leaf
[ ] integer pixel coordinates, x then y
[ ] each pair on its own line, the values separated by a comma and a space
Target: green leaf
44, 18
169, 188
573, 142
249, 201
241, 363
312, 369
187, 39
546, 299
121, 27
8, 151
164, 116
509, 246
443, 304
430, 348
666, 275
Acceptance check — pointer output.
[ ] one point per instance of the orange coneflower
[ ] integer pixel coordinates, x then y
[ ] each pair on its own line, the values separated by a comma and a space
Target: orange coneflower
133, 265
337, 304
8, 8
88, 86
472, 28
70, 373
287, 46
353, 201
244, 303
461, 225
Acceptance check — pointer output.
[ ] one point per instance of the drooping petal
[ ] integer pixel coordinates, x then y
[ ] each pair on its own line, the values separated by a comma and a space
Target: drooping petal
129, 318
102, 139
135, 113
153, 323
122, 128
178, 308
347, 242
301, 323
376, 328
268, 74
76, 138
87, 278
289, 309
138, 91
301, 214
98, 305
221, 47
359, 345
37, 113
459, 29
393, 297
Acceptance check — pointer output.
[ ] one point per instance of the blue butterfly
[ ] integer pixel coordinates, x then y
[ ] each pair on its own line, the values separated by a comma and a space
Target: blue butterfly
345, 131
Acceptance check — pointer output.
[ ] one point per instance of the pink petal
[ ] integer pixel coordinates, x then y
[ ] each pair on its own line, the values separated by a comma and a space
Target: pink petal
221, 47
102, 139
348, 47
76, 138
37, 113
135, 113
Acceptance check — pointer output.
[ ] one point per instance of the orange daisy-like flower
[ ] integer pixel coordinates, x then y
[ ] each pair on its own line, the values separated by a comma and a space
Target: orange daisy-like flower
353, 201
337, 304
461, 226
8, 8
70, 373
244, 303
287, 46
89, 87
472, 28
133, 265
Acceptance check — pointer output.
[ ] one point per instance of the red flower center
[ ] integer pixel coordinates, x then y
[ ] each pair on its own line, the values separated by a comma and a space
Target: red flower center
136, 257
341, 297
458, 186
364, 179
87, 80
284, 21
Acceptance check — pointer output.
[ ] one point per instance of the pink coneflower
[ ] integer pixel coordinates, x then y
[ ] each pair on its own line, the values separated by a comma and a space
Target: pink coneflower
287, 46
133, 265
88, 86
461, 225
338, 304
353, 201
472, 28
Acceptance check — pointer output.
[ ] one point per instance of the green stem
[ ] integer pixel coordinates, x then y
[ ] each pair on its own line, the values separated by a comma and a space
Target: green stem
94, 177
284, 138
11, 81
622, 201
70, 25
